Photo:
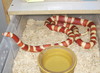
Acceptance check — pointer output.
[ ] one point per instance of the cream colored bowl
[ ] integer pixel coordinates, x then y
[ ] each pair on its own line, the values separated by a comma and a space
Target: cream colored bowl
57, 59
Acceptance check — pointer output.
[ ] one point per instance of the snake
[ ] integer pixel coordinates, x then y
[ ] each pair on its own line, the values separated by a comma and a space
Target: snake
63, 24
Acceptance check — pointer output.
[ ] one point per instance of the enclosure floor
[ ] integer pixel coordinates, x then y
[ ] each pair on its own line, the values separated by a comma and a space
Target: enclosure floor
36, 33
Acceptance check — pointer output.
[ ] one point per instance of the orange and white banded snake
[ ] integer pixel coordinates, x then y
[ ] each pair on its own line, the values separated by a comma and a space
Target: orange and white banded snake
65, 25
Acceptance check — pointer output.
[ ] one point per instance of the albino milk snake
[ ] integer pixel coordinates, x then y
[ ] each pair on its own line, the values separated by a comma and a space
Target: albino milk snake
65, 25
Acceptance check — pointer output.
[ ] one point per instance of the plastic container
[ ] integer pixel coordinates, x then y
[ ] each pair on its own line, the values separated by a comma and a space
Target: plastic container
57, 59
9, 49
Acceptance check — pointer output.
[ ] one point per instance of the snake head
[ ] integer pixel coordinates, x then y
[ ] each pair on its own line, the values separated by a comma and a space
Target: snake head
7, 34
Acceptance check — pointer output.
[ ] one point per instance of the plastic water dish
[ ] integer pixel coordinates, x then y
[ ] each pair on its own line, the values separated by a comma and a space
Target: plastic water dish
57, 59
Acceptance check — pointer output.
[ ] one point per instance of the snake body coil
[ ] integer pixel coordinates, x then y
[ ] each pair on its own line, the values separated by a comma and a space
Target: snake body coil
65, 25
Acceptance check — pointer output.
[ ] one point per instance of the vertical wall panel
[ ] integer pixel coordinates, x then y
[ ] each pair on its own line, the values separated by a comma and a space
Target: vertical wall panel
3, 23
